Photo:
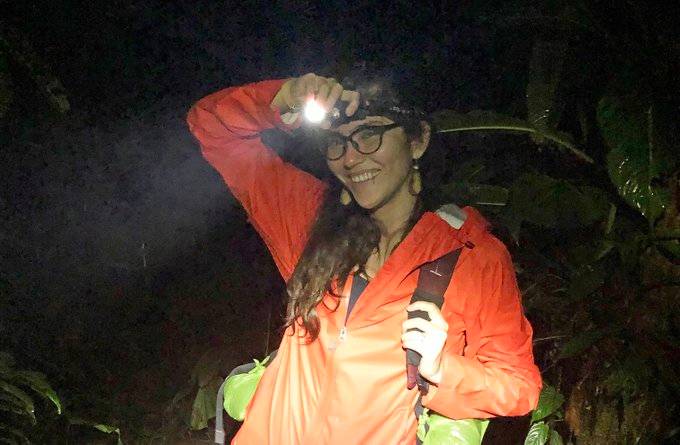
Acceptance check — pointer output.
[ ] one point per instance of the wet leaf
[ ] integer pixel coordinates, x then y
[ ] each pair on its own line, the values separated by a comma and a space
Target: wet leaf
632, 162
104, 428
549, 402
447, 121
538, 434
37, 382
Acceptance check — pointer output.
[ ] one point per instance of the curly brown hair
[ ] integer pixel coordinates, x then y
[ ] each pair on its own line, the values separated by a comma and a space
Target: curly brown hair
343, 237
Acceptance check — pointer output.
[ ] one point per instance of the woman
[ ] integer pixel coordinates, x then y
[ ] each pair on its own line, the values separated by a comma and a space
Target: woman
339, 375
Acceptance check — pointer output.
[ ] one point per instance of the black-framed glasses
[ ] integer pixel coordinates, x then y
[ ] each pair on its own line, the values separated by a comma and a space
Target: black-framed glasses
365, 139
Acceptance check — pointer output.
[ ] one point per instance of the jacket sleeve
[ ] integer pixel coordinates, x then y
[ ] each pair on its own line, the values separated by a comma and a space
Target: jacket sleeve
280, 200
496, 375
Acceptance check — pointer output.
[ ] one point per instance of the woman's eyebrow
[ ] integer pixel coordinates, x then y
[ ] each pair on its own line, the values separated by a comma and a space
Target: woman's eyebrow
375, 120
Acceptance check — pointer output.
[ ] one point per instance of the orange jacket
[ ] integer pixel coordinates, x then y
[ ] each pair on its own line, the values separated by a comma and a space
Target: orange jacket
354, 391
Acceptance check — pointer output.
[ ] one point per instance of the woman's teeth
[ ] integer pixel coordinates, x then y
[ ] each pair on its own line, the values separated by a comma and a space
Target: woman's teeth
363, 177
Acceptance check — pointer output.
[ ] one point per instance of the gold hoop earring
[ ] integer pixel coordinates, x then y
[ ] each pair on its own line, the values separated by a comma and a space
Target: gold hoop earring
416, 182
345, 197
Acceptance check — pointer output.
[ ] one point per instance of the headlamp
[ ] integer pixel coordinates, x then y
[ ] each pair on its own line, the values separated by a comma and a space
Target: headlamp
314, 113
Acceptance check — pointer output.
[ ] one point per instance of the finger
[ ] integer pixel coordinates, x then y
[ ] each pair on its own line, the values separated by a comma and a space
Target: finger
413, 340
353, 98
322, 95
335, 94
325, 86
432, 310
309, 82
420, 323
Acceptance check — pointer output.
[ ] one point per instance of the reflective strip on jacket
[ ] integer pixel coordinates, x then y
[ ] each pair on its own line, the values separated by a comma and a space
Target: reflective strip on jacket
354, 391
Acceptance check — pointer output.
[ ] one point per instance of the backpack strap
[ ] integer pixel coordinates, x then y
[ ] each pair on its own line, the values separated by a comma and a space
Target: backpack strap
433, 280
432, 284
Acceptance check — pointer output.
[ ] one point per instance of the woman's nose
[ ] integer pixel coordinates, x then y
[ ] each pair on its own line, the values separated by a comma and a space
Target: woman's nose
352, 157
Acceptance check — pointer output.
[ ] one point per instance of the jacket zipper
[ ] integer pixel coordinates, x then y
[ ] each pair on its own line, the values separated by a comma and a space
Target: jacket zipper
343, 333
343, 330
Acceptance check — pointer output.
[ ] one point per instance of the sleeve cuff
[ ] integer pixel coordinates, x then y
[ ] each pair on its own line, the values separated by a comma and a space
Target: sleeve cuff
441, 396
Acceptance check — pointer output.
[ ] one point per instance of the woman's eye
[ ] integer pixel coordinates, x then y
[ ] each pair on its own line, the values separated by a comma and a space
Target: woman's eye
368, 133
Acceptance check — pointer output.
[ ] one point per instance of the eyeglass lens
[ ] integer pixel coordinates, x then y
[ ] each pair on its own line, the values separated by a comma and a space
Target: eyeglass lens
365, 140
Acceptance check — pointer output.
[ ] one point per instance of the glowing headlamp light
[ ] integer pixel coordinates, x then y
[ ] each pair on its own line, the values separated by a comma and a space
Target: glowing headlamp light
314, 112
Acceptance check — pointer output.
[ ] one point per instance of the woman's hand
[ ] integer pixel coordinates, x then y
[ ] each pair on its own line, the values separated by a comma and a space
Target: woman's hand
327, 91
430, 342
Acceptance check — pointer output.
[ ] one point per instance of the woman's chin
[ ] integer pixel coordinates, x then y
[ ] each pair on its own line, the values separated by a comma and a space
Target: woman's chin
368, 201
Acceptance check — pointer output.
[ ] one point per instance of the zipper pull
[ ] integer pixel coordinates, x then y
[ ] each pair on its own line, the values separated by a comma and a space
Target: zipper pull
343, 334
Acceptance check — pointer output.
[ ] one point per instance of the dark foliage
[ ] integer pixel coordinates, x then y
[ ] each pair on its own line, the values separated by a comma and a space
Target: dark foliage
124, 259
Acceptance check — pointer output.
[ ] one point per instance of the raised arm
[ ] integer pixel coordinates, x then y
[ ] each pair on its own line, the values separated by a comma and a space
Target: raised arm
496, 376
281, 200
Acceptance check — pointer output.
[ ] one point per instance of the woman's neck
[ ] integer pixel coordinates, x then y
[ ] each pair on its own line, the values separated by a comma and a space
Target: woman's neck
392, 217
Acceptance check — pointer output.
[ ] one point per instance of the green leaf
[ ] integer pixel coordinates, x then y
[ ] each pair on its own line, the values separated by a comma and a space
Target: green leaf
538, 434
549, 402
108, 429
16, 433
204, 406
447, 121
443, 430
631, 161
555, 438
20, 396
552, 203
581, 342
38, 382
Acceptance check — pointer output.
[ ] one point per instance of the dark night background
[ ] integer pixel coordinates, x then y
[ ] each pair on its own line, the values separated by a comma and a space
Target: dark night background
131, 278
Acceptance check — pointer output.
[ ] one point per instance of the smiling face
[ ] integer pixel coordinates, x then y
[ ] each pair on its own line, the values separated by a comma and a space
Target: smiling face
379, 178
